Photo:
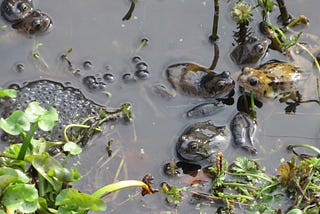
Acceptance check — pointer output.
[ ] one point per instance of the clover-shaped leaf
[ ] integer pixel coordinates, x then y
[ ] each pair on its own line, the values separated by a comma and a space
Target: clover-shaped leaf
34, 111
45, 118
20, 197
48, 119
73, 148
15, 123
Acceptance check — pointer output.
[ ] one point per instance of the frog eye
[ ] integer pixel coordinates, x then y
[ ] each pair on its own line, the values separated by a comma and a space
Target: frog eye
193, 146
36, 24
253, 81
22, 7
260, 49
220, 85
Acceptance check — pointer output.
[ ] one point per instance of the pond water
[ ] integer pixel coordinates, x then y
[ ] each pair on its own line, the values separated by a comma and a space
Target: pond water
177, 31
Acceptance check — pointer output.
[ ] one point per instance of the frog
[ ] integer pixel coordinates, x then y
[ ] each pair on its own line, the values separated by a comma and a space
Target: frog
36, 22
194, 80
273, 79
250, 51
243, 128
201, 141
16, 10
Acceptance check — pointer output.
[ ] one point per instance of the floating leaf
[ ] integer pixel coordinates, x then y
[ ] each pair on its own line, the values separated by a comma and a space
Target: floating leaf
15, 123
73, 148
48, 119
34, 111
71, 200
20, 197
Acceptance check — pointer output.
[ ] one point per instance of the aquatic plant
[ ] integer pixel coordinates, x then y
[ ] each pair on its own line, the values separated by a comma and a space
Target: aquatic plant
241, 13
245, 185
214, 36
33, 181
130, 11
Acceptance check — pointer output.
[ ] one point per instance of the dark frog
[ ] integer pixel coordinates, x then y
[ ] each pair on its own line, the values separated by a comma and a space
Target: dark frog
243, 129
250, 52
24, 17
202, 140
36, 22
16, 10
195, 80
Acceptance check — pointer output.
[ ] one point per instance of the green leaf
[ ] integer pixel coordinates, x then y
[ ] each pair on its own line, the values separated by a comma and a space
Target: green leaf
11, 176
48, 119
295, 211
65, 175
73, 148
43, 164
34, 111
19, 175
70, 200
8, 93
20, 197
16, 123
12, 150
41, 145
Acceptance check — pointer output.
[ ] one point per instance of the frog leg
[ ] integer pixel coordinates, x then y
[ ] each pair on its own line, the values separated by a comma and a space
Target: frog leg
294, 96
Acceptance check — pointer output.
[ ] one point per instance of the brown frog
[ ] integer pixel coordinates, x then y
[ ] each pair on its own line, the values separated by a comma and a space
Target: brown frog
36, 22
273, 79
16, 10
194, 80
24, 17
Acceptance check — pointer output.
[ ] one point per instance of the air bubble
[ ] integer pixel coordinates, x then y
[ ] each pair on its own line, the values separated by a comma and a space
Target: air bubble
142, 66
142, 74
108, 77
128, 77
136, 59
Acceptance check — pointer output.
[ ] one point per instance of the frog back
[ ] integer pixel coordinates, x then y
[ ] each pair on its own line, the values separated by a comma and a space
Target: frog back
271, 79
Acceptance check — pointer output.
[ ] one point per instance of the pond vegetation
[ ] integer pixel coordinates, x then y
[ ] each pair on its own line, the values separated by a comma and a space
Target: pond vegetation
34, 180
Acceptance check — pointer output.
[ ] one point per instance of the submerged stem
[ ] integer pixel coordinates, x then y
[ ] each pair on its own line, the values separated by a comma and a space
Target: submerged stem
214, 36
77, 126
130, 11
313, 148
215, 57
284, 12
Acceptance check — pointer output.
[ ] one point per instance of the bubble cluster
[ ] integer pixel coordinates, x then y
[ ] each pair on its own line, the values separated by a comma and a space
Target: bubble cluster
141, 71
141, 66
71, 105
93, 82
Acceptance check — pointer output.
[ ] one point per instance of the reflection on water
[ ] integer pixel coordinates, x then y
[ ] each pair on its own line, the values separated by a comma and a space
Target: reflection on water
178, 32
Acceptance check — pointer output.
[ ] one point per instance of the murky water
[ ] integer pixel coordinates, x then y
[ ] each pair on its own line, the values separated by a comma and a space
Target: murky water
178, 32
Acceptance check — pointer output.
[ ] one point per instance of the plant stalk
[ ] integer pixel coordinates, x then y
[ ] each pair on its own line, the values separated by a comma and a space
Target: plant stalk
214, 36
284, 12
26, 142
